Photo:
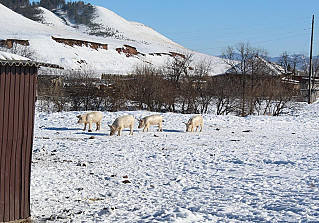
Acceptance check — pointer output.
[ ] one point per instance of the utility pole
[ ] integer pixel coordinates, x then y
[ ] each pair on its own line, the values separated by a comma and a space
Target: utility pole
310, 62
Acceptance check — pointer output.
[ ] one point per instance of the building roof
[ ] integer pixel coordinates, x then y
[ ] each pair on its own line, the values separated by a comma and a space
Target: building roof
11, 56
16, 60
275, 68
28, 63
269, 68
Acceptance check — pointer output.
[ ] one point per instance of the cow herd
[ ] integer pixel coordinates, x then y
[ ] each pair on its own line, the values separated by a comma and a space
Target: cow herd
127, 121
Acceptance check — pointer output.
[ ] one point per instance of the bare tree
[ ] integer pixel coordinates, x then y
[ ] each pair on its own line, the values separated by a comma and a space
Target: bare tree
203, 84
285, 61
50, 91
178, 66
149, 88
276, 95
295, 62
82, 91
256, 81
225, 93
245, 54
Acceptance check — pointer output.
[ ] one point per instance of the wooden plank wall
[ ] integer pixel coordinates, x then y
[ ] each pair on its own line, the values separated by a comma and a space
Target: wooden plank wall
17, 106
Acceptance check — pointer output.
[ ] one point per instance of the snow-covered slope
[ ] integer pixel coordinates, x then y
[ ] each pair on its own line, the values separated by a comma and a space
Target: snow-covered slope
132, 30
46, 49
50, 19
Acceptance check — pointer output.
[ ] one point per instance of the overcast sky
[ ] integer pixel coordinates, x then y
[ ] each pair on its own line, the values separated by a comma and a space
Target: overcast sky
209, 26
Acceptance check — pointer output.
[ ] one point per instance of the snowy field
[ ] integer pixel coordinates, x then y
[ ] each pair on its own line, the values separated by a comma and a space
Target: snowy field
252, 169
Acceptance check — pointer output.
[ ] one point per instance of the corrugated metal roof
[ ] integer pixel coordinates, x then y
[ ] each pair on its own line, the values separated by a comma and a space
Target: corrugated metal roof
29, 63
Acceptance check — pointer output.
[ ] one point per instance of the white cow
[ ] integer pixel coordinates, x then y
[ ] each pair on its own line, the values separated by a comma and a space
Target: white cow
151, 120
194, 121
120, 123
89, 118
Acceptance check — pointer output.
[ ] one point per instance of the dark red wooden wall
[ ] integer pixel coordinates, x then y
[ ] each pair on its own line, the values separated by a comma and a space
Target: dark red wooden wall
17, 106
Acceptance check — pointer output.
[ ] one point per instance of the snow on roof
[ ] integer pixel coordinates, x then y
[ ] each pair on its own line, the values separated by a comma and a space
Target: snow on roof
16, 60
273, 68
10, 56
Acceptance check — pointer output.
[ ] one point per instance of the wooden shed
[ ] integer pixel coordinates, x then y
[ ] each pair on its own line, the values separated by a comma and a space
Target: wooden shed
18, 80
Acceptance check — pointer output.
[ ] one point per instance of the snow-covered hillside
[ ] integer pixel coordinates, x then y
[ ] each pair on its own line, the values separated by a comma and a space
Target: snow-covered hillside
252, 169
145, 40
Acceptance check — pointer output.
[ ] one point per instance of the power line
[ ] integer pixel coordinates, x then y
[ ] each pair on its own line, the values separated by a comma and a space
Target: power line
241, 34
245, 26
272, 40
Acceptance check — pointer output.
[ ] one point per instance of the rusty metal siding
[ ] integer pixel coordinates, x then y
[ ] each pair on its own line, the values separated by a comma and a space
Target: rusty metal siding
2, 151
17, 105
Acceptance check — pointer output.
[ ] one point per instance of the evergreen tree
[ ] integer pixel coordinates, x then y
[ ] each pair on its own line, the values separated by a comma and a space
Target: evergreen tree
23, 7
78, 12
15, 4
52, 4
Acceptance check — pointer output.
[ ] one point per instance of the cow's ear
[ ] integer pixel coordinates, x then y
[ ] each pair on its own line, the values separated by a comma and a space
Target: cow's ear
78, 116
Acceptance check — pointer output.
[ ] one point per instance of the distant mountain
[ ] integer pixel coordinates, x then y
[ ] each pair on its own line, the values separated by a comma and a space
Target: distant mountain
301, 59
109, 44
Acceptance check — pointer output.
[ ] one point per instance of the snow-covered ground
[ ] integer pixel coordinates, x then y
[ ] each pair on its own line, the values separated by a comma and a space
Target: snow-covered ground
252, 169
